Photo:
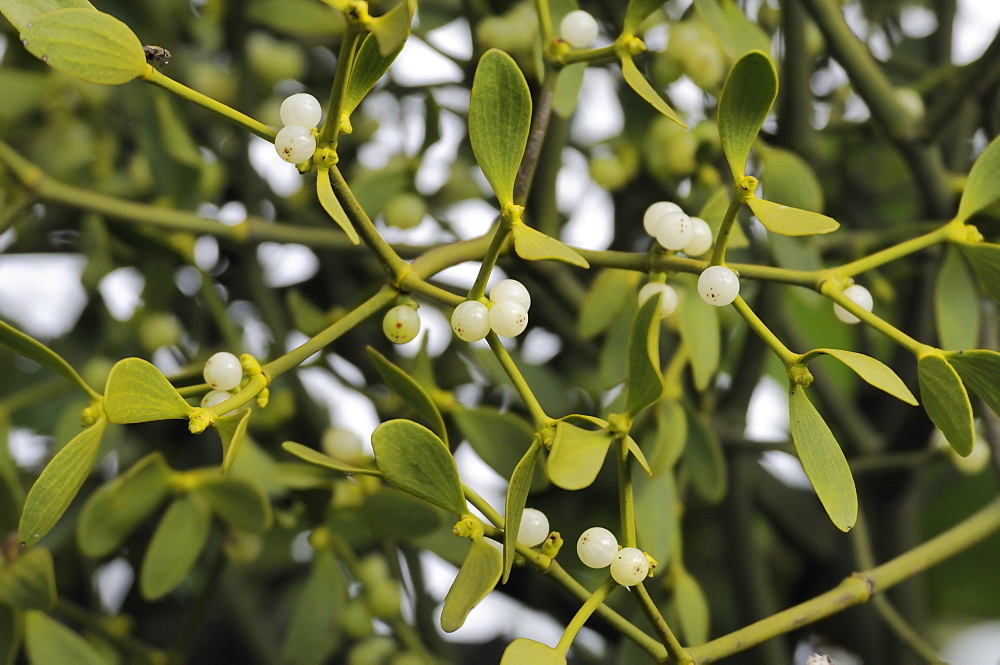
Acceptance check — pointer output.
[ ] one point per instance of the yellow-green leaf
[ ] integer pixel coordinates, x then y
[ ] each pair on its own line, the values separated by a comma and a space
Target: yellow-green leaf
789, 178
120, 505
577, 455
956, 304
410, 391
691, 606
604, 300
175, 546
137, 392
327, 199
232, 430
701, 334
48, 642
86, 43
735, 33
670, 436
522, 651
499, 120
644, 381
29, 581
947, 402
239, 502
320, 459
32, 349
533, 245
823, 460
980, 370
392, 28
983, 186
655, 500
567, 91
61, 479
747, 97
478, 575
312, 633
415, 460
517, 495
704, 459
789, 221
874, 372
635, 80
635, 451
984, 257
20, 12
408, 518
369, 67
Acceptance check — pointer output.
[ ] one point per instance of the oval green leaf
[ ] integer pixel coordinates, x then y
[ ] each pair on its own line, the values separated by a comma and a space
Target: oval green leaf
61, 479
704, 459
392, 28
984, 258
874, 372
47, 642
413, 459
410, 391
604, 300
655, 507
635, 80
736, 34
789, 221
947, 402
691, 606
239, 502
644, 381
321, 459
369, 67
789, 178
327, 199
670, 436
29, 581
20, 12
137, 392
983, 186
411, 518
499, 438
86, 43
517, 496
823, 460
747, 97
232, 431
577, 455
522, 650
701, 334
32, 349
980, 370
478, 575
175, 546
312, 633
533, 245
956, 304
499, 120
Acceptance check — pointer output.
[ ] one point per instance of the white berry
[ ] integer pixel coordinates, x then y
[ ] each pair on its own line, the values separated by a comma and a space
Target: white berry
654, 212
214, 397
223, 371
858, 294
302, 110
511, 289
674, 230
401, 324
578, 28
508, 318
668, 297
597, 547
295, 144
471, 321
534, 528
701, 237
630, 566
718, 285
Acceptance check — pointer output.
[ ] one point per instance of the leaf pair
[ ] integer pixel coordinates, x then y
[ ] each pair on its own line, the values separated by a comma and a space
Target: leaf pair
943, 377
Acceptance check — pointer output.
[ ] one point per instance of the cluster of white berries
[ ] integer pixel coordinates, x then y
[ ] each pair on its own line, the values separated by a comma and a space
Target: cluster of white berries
223, 372
401, 324
578, 29
507, 316
860, 296
598, 548
300, 114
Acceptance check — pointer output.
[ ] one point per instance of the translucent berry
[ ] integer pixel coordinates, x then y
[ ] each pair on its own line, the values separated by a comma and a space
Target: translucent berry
344, 445
401, 324
301, 110
508, 318
597, 547
215, 397
701, 237
654, 212
295, 144
579, 29
859, 295
511, 289
668, 297
534, 528
630, 566
471, 321
674, 230
718, 285
223, 371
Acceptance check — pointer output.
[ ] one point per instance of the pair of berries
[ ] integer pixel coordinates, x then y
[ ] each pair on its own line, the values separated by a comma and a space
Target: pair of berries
300, 114
598, 548
223, 372
508, 317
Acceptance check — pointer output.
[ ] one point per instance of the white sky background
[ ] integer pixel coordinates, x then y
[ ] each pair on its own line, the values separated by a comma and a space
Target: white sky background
42, 293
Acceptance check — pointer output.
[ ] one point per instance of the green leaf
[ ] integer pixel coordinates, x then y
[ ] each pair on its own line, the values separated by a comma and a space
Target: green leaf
522, 650
984, 258
670, 436
239, 502
61, 479
413, 459
312, 630
32, 349
175, 545
788, 178
478, 575
568, 84
410, 391
11, 627
604, 300
499, 120
823, 460
120, 505
577, 455
232, 430
704, 459
636, 13
327, 199
747, 97
789, 221
297, 18
137, 392
980, 370
86, 43
517, 496
735, 33
392, 28
29, 581
389, 513
947, 402
20, 12
635, 80
635, 451
369, 67
500, 439
983, 186
691, 606
956, 304
321, 459
699, 328
533, 245
48, 642
874, 372
644, 381
655, 506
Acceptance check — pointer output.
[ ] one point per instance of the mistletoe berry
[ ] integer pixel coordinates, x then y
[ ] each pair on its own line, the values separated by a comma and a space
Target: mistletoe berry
508, 318
301, 110
471, 321
214, 397
401, 324
718, 285
223, 371
597, 547
859, 295
630, 566
534, 528
511, 289
674, 230
654, 212
295, 144
701, 237
668, 297
579, 29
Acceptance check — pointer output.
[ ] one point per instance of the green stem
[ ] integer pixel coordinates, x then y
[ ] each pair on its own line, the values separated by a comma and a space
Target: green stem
787, 357
896, 251
675, 652
500, 235
626, 498
156, 77
544, 22
719, 253
538, 414
345, 64
536, 137
483, 506
836, 294
588, 55
586, 610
